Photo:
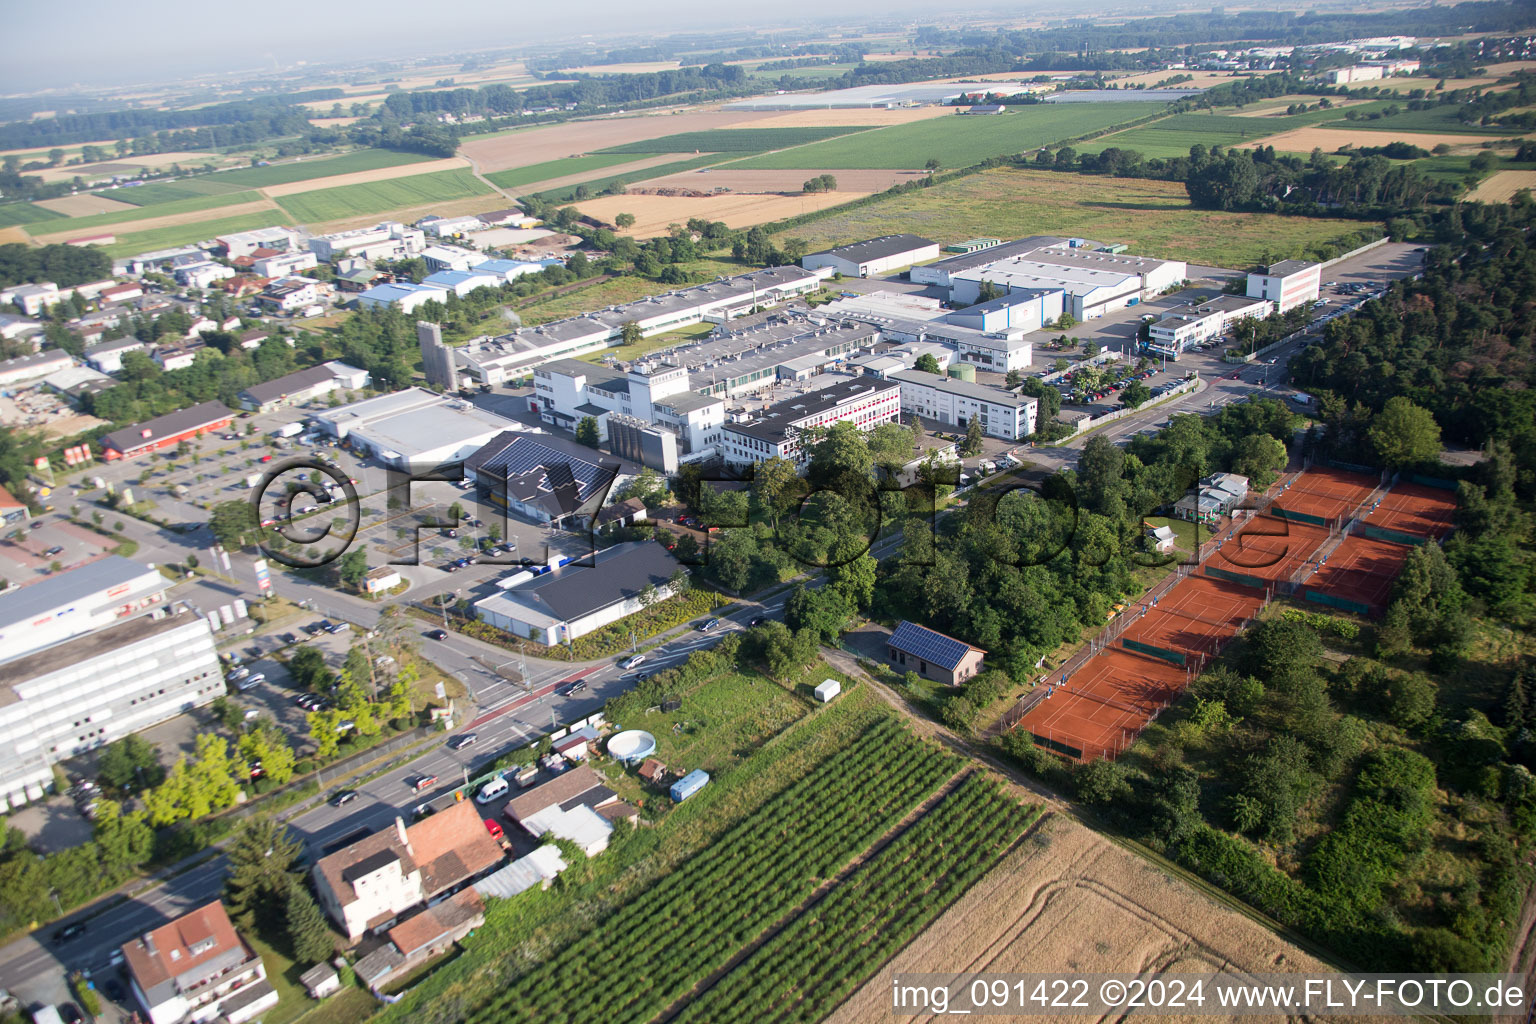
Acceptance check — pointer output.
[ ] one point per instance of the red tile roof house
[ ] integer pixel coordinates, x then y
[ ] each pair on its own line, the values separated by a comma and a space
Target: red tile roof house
197, 968
367, 886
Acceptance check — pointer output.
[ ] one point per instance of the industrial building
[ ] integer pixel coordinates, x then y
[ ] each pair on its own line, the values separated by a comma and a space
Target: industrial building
575, 600
658, 394
1022, 310
866, 402
388, 241
874, 256
954, 402
546, 479
303, 386
494, 360
83, 691
1199, 323
1287, 283
402, 295
413, 428
243, 243
165, 431
34, 365
978, 255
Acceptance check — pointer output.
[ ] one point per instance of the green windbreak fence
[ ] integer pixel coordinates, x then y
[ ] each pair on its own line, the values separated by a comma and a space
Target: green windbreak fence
1298, 517
1177, 657
1433, 481
1395, 536
1338, 602
1235, 577
1352, 467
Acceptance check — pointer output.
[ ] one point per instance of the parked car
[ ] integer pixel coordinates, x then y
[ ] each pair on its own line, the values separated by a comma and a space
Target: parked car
497, 787
493, 828
343, 798
468, 739
55, 550
69, 1013
252, 680
239, 673
113, 989
264, 458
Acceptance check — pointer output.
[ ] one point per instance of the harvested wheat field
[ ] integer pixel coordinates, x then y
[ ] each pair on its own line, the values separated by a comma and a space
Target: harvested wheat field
172, 220
83, 206
409, 214
527, 146
857, 118
640, 67
1202, 79
653, 214
1330, 140
333, 122
14, 235
451, 163
754, 179
1276, 107
1508, 68
1068, 899
1501, 187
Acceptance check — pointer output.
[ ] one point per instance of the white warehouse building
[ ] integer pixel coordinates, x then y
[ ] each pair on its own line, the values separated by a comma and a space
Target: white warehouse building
865, 401
574, 600
874, 256
1287, 283
1199, 323
568, 390
413, 427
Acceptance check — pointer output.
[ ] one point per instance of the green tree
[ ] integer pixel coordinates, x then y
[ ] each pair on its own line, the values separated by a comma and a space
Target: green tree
262, 859
129, 764
778, 487
586, 432
1404, 434
309, 936
1013, 379
973, 437
234, 523
352, 568
1135, 394
125, 840
933, 164
267, 746
630, 333
928, 364
624, 221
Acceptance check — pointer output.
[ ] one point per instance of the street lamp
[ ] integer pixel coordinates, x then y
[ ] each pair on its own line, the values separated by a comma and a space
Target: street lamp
57, 905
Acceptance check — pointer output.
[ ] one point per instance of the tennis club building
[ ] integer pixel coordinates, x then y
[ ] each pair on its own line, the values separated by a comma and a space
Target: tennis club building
932, 655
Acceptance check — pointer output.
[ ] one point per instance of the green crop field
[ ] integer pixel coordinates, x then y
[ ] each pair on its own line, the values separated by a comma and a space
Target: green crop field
1441, 118
517, 177
182, 234
382, 196
735, 140
955, 141
812, 71
567, 193
324, 167
159, 192
14, 214
1175, 135
754, 875
1154, 218
192, 205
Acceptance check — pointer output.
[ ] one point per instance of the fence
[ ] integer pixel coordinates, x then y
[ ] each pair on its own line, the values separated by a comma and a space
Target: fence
1395, 536
1236, 577
1173, 657
1434, 481
1367, 247
1301, 517
1351, 467
1344, 603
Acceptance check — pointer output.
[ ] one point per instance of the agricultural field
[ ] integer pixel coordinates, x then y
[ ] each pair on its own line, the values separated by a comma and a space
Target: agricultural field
1173, 136
381, 196
792, 179
735, 140
324, 167
1502, 186
192, 231
86, 205
822, 955
1154, 218
14, 214
955, 141
872, 117
1330, 139
130, 214
1440, 119
1069, 895
566, 193
520, 147
517, 177
655, 214
171, 191
747, 880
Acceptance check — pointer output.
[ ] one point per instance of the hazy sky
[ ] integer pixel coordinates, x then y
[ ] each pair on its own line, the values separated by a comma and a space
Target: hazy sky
92, 41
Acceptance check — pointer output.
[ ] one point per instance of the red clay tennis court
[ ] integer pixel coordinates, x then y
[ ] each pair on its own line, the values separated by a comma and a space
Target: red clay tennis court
1361, 569
1269, 548
1082, 727
1336, 483
1213, 600
1416, 510
1324, 506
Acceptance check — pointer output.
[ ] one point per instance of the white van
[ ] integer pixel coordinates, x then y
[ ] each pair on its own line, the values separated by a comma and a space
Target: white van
497, 787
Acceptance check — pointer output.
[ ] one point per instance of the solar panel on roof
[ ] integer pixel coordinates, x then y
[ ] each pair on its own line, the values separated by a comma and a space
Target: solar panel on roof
929, 646
525, 456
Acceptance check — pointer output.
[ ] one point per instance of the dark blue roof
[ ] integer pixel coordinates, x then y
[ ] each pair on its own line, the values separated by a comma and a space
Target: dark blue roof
933, 647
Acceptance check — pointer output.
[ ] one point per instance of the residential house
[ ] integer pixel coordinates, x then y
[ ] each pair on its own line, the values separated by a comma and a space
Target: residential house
289, 294
197, 968
11, 510
368, 886
120, 293
932, 655
107, 356
175, 357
